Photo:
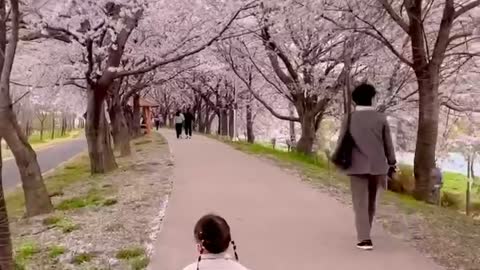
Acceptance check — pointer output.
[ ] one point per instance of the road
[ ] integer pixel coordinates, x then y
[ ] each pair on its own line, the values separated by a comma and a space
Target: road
48, 158
277, 221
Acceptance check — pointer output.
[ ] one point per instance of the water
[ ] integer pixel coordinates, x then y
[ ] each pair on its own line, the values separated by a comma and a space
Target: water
454, 162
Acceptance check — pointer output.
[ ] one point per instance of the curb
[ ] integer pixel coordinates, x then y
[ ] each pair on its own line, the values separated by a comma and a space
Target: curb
158, 221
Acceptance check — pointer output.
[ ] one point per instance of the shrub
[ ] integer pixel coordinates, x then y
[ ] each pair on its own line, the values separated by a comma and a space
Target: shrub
404, 181
451, 200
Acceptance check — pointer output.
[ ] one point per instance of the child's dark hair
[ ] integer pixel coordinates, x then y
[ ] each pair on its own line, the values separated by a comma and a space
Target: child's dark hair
213, 233
364, 94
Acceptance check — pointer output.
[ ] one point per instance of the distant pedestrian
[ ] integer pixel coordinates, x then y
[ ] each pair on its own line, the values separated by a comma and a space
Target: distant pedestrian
213, 238
189, 118
157, 121
179, 119
365, 143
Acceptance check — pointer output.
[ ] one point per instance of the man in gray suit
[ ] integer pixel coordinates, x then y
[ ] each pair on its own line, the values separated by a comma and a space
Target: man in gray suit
372, 159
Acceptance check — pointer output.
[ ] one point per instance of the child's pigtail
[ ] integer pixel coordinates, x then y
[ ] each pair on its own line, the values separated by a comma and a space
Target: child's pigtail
234, 250
199, 259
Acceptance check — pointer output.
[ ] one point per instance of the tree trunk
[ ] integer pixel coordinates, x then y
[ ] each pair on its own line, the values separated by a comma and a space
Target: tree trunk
63, 129
121, 136
208, 124
249, 115
231, 123
307, 139
224, 122
427, 135
53, 126
98, 136
42, 127
198, 122
6, 253
137, 114
28, 129
291, 110
472, 166
37, 200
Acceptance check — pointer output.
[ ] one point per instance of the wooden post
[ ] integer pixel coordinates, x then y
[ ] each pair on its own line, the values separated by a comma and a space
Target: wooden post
469, 185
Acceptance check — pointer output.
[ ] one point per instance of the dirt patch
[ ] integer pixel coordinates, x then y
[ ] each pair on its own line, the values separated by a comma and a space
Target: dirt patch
103, 222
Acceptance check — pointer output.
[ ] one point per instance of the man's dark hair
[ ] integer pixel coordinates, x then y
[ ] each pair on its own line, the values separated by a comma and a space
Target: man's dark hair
213, 233
363, 94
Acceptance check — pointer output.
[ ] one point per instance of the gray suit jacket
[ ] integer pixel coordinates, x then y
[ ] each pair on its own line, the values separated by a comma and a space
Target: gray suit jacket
373, 152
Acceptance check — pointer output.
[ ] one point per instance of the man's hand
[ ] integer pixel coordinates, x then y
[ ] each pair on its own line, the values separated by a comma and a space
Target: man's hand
392, 171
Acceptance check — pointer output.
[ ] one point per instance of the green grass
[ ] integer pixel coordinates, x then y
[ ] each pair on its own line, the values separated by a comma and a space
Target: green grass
136, 257
318, 168
130, 253
78, 202
25, 252
139, 263
35, 139
82, 258
61, 222
56, 251
296, 157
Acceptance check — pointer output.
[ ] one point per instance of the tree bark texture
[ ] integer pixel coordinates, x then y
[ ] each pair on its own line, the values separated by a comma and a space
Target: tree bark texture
121, 136
6, 254
53, 126
137, 115
98, 136
249, 116
37, 200
224, 122
307, 139
231, 123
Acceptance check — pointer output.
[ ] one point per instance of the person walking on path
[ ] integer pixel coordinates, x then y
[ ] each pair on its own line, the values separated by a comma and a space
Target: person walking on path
189, 118
157, 121
213, 238
371, 159
179, 119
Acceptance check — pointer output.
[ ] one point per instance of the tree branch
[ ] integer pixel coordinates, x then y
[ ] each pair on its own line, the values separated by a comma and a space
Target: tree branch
466, 8
187, 54
271, 110
399, 20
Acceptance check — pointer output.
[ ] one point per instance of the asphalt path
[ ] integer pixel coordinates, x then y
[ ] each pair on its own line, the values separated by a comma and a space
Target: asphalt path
48, 158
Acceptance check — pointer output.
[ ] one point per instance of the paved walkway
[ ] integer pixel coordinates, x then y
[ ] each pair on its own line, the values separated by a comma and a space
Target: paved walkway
48, 158
277, 221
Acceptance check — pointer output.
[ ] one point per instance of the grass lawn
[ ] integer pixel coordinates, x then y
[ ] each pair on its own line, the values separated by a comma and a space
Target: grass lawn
47, 141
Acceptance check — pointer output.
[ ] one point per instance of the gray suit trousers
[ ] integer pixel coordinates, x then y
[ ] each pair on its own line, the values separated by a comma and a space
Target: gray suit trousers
364, 197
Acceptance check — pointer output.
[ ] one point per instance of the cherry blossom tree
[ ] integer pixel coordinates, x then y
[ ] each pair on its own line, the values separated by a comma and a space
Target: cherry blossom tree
439, 35
36, 196
102, 31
